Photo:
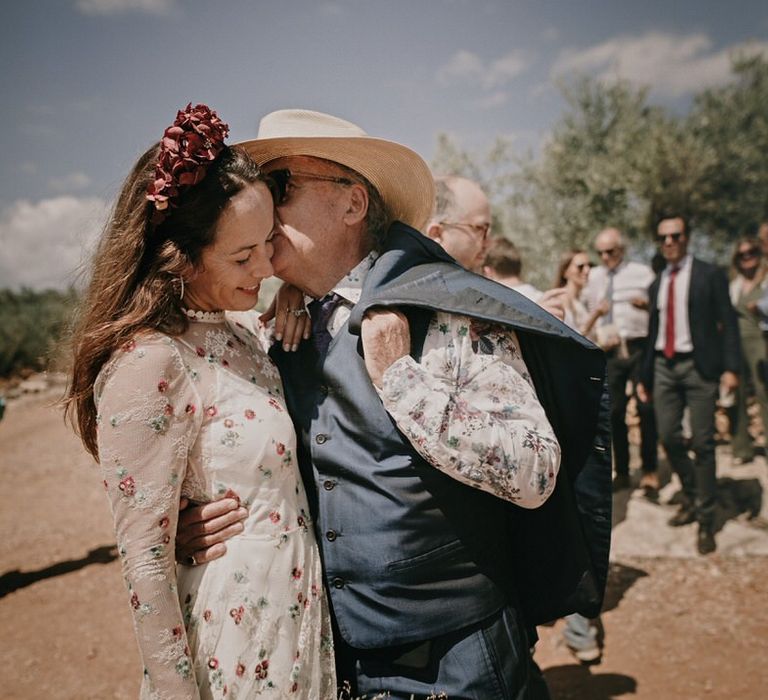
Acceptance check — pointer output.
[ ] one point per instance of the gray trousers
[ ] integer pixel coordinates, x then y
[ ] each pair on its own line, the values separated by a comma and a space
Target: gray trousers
677, 384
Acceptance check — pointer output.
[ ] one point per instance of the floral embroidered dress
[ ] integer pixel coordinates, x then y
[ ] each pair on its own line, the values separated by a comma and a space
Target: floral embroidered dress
203, 416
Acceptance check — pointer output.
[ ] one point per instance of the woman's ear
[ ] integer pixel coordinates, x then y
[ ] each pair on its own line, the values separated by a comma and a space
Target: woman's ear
357, 205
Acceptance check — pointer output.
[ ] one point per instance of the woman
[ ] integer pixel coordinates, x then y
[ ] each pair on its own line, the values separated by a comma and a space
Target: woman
573, 274
175, 401
747, 286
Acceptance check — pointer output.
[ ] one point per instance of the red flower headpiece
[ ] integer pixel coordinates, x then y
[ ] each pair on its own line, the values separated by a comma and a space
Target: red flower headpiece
188, 147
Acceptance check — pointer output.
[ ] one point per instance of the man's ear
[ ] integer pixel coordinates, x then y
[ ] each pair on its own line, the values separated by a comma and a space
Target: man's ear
434, 231
357, 205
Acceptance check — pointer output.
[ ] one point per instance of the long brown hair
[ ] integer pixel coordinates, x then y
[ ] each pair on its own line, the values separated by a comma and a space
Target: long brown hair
136, 272
565, 260
753, 243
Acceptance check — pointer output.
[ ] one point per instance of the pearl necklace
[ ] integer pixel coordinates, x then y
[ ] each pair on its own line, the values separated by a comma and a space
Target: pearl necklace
205, 316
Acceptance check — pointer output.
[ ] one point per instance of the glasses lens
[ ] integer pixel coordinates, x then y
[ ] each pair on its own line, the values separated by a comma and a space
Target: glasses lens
746, 254
662, 237
609, 251
277, 181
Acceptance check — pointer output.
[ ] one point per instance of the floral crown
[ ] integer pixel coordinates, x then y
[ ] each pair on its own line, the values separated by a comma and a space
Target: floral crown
188, 147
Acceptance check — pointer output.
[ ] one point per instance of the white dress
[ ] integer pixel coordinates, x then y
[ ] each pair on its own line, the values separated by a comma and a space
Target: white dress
203, 416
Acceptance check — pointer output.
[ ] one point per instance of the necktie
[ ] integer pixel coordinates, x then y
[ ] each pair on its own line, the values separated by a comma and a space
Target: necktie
669, 340
320, 311
609, 296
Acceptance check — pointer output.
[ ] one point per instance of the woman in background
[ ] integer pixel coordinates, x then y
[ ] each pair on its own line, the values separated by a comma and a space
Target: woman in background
573, 275
174, 400
748, 284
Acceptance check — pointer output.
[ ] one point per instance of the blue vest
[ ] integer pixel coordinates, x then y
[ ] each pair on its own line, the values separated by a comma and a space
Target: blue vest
408, 552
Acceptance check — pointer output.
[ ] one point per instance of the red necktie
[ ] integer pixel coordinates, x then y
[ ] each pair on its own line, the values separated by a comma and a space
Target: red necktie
669, 340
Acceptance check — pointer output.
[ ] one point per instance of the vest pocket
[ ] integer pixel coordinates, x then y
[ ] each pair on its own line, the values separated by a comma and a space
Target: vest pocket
440, 558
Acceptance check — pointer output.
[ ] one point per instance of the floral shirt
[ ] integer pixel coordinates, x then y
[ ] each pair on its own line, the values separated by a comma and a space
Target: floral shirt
468, 406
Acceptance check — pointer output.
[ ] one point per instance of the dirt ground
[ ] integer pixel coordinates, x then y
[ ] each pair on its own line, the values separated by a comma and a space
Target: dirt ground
677, 626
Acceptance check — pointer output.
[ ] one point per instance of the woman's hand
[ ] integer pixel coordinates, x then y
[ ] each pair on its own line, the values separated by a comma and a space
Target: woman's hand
386, 338
292, 321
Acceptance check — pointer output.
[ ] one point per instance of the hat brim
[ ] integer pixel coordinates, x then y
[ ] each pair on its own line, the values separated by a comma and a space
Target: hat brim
401, 176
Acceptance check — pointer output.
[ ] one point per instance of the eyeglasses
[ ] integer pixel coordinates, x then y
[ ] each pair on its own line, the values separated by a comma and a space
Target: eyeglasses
581, 267
674, 235
608, 251
481, 230
278, 181
748, 254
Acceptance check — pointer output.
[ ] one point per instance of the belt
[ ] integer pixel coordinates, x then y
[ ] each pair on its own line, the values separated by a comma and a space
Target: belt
677, 357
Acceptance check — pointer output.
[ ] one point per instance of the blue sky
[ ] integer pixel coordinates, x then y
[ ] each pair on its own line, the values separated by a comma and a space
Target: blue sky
89, 84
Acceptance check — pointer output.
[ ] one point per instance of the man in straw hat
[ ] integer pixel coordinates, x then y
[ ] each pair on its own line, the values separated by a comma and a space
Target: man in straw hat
430, 405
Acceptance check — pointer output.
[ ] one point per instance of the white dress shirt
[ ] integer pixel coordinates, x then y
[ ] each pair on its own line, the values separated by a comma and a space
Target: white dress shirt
630, 280
683, 341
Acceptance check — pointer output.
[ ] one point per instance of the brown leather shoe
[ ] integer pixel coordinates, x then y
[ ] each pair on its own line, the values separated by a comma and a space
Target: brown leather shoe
684, 516
705, 541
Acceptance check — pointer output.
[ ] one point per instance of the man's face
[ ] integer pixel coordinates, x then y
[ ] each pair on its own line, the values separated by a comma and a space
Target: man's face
311, 235
609, 248
465, 233
672, 239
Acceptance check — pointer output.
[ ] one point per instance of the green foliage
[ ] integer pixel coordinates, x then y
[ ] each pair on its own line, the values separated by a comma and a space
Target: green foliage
614, 160
31, 324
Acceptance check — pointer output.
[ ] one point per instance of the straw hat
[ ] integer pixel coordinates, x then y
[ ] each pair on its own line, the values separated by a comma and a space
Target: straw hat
399, 174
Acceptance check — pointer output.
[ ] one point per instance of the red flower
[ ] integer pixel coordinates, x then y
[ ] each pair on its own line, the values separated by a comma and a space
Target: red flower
130, 346
211, 411
168, 410
162, 386
207, 614
187, 148
177, 632
280, 448
164, 522
213, 662
261, 669
296, 573
274, 516
228, 423
239, 670
200, 352
127, 486
237, 614
249, 414
135, 601
190, 409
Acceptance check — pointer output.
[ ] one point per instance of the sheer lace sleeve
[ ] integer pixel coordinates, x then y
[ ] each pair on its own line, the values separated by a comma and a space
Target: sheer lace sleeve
148, 416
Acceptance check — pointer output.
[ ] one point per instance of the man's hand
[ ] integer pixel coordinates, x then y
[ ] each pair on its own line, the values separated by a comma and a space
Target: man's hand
386, 338
553, 301
642, 393
292, 321
639, 302
203, 529
729, 381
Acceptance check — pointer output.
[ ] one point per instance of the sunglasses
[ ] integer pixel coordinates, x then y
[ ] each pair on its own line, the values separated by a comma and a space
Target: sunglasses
278, 180
675, 236
583, 266
748, 254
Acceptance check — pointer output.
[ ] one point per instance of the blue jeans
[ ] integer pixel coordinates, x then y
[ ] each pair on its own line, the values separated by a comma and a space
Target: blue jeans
489, 660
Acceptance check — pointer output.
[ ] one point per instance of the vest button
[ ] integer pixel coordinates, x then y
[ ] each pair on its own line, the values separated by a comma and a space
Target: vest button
331, 535
321, 439
329, 485
338, 582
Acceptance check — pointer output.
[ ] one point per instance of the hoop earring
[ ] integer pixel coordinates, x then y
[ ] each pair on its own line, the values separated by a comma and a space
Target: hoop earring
181, 294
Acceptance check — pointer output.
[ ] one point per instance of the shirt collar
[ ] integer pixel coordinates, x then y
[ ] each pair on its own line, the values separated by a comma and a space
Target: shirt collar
350, 287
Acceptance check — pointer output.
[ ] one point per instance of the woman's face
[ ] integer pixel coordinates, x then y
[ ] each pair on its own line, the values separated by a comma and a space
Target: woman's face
747, 257
577, 271
232, 267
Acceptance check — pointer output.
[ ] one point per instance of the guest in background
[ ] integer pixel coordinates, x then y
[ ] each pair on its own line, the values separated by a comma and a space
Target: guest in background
747, 286
623, 333
504, 265
573, 275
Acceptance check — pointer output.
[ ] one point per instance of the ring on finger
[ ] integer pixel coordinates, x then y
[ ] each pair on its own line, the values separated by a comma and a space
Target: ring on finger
298, 313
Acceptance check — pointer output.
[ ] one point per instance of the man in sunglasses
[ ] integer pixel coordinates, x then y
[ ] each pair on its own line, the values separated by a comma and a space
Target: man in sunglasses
622, 332
693, 346
429, 459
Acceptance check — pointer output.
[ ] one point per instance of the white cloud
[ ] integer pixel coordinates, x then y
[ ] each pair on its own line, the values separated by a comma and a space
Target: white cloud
70, 182
672, 65
43, 244
465, 66
113, 7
